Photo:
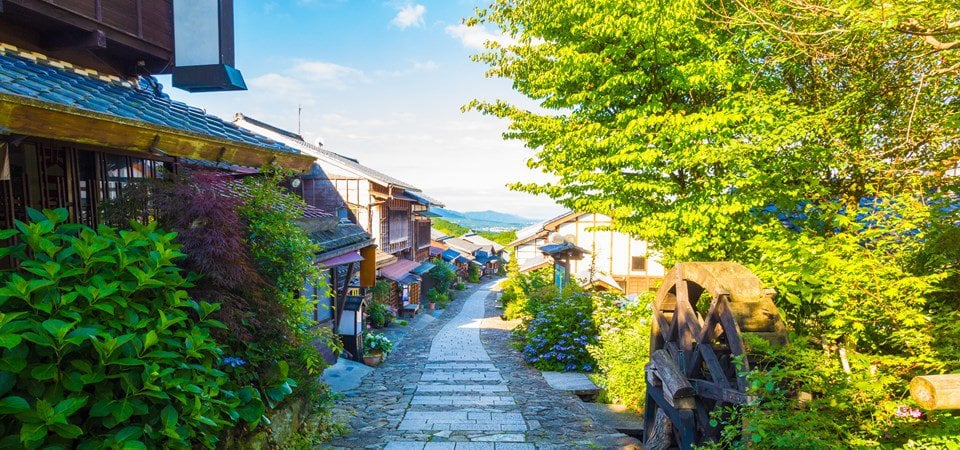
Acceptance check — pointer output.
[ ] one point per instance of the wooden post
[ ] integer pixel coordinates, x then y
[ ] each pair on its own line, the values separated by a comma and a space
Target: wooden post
936, 391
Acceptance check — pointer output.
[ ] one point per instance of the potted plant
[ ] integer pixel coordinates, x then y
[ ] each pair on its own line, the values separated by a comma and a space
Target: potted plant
375, 347
434, 296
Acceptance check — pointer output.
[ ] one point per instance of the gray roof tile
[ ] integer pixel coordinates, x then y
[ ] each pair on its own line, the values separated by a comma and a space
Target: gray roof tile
129, 100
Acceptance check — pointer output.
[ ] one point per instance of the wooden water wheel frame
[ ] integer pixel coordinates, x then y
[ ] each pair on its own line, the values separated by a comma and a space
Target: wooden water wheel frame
694, 349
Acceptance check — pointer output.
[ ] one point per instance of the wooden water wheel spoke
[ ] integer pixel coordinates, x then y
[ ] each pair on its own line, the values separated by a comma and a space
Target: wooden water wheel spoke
702, 352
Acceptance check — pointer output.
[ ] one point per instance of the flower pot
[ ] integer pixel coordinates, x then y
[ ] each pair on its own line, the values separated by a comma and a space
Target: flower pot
372, 359
432, 306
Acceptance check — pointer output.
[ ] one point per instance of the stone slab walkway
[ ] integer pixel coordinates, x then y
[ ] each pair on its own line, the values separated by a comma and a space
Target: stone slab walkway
456, 383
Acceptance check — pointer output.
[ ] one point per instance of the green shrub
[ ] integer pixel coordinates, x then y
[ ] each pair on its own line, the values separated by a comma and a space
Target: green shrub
443, 275
559, 333
435, 296
379, 315
102, 347
460, 286
622, 348
473, 274
864, 408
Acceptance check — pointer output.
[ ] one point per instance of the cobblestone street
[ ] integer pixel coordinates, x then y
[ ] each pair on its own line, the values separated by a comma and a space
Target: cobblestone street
458, 384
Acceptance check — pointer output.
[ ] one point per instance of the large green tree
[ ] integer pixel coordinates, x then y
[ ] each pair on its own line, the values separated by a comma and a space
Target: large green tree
719, 130
808, 139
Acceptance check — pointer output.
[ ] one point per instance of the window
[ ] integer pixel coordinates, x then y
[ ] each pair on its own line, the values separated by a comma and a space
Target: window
399, 230
639, 264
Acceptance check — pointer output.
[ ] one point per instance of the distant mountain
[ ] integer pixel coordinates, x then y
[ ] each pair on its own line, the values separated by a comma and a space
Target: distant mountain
484, 220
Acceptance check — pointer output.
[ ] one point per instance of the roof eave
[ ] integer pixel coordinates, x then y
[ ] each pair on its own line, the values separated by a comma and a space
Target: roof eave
31, 117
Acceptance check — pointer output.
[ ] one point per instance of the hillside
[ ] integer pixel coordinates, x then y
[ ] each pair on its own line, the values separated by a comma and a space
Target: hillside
484, 220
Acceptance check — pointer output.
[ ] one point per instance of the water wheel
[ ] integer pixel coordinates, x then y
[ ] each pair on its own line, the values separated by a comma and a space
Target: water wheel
701, 313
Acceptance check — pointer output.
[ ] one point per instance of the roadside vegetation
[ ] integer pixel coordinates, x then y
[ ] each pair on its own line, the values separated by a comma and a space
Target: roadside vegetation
182, 325
814, 142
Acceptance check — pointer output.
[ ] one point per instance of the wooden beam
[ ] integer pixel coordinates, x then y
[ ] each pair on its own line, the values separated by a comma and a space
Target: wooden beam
717, 392
936, 391
75, 40
22, 115
677, 390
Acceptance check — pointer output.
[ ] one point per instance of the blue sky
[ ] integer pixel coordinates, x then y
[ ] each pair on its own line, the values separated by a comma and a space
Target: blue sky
382, 82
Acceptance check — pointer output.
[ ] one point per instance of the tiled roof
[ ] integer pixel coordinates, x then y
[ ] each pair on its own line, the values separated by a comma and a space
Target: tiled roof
462, 245
438, 235
398, 270
345, 237
47, 80
586, 279
483, 242
321, 153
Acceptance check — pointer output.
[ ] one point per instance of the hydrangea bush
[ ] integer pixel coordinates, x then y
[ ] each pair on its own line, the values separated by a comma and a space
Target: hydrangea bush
559, 333
102, 347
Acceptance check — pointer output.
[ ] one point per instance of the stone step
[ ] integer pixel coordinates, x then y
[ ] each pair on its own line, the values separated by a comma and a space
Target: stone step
412, 445
459, 366
462, 421
460, 388
463, 400
466, 375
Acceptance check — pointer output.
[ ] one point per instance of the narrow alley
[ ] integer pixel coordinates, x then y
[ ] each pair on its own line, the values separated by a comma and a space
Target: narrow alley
458, 384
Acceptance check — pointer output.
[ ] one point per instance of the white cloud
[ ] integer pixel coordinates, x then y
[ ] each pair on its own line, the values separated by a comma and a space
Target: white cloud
414, 68
277, 84
326, 74
409, 15
475, 36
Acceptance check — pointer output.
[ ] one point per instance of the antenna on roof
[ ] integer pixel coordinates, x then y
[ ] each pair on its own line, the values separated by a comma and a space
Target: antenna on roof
299, 110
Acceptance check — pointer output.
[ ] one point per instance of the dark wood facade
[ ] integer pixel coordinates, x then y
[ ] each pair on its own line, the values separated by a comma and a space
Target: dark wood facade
396, 227
49, 174
122, 37
421, 229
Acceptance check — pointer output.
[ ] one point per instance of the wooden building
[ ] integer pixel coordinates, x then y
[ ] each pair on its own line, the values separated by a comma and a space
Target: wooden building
81, 117
615, 260
395, 213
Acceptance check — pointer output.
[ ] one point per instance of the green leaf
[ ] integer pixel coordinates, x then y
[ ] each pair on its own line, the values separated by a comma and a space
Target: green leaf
129, 433
32, 432
123, 412
134, 445
169, 417
44, 372
150, 339
251, 412
70, 405
10, 340
13, 405
57, 328
66, 430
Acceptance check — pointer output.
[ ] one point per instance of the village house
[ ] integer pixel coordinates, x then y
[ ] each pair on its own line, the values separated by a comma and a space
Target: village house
82, 118
395, 213
493, 253
612, 260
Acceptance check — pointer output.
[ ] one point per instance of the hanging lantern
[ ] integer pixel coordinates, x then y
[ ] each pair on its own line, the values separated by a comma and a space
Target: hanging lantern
203, 46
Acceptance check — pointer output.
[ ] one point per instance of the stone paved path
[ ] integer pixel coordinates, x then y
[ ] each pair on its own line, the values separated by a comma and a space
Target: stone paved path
458, 384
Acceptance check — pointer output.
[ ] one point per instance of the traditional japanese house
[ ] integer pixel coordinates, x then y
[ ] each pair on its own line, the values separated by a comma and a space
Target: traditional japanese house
460, 261
491, 254
615, 261
82, 117
395, 213
471, 253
